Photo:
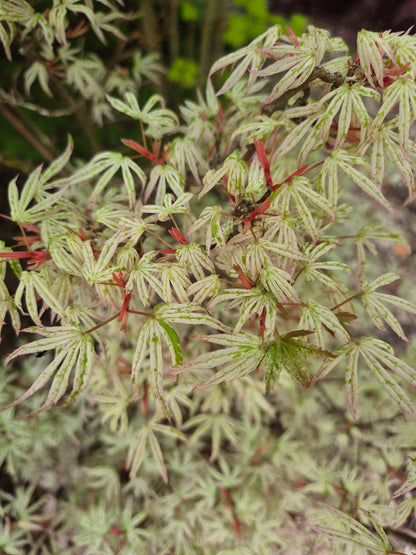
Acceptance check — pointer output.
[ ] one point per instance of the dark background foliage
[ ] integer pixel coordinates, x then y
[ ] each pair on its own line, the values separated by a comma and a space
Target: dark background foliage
346, 17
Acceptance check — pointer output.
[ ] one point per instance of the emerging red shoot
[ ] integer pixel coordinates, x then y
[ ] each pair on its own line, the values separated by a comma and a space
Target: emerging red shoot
245, 280
119, 278
124, 312
262, 327
261, 153
176, 234
35, 257
298, 172
257, 212
292, 37
152, 156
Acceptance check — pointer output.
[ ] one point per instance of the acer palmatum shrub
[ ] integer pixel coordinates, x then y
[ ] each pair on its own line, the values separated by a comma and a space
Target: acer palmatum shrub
212, 298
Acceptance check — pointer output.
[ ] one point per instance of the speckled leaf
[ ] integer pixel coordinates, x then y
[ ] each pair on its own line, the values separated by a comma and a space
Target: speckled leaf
59, 163
351, 382
157, 454
157, 367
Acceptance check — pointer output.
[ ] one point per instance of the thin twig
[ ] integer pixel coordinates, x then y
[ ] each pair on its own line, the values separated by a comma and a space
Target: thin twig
206, 41
26, 134
30, 124
80, 114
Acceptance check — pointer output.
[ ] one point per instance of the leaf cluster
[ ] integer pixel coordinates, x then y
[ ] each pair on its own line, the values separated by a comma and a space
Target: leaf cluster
176, 280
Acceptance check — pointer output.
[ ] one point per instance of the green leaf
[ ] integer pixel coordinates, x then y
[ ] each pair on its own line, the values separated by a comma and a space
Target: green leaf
243, 356
300, 192
215, 426
315, 315
149, 345
207, 287
157, 365
273, 368
236, 171
360, 536
83, 368
59, 163
137, 451
291, 354
146, 438
346, 100
163, 176
100, 269
174, 276
173, 342
187, 313
169, 207
348, 538
140, 354
393, 389
374, 303
380, 358
278, 282
351, 382
347, 163
37, 71
157, 454
144, 276
72, 348
252, 58
31, 283
370, 53
298, 66
29, 192
401, 92
410, 482
192, 257
7, 304
7, 36
160, 121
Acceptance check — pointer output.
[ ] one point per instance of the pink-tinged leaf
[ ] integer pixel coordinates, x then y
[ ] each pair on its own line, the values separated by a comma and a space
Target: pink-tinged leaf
293, 38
